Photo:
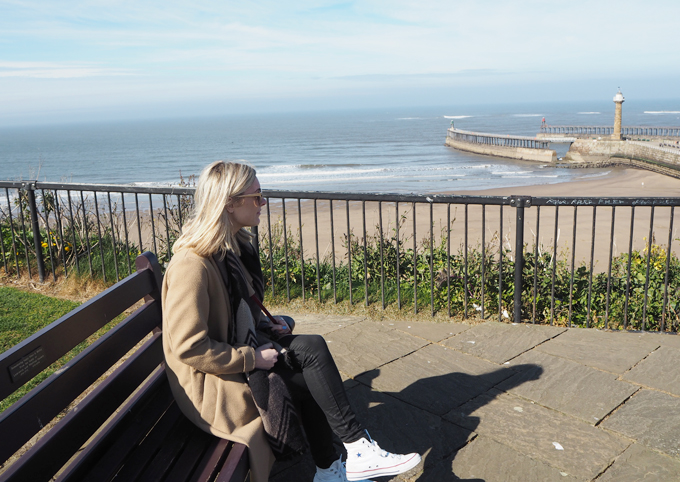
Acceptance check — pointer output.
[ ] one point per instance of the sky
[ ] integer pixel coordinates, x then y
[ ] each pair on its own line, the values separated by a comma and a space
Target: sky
66, 61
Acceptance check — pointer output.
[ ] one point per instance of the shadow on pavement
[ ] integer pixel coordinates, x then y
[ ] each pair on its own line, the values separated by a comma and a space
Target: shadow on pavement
410, 421
417, 425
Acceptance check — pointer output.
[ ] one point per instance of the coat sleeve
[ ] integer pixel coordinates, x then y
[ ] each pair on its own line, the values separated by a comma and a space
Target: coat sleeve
186, 308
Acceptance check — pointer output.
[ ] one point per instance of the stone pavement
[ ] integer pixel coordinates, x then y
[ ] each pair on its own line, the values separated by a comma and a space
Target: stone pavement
499, 402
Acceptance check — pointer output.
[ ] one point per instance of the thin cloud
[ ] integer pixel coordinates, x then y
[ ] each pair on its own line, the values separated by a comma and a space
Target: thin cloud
56, 70
431, 75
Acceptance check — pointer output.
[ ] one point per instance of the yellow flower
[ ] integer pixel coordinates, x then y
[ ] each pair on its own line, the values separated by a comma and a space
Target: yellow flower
66, 248
44, 245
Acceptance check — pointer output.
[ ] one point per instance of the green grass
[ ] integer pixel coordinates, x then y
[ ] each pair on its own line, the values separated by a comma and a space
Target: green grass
21, 315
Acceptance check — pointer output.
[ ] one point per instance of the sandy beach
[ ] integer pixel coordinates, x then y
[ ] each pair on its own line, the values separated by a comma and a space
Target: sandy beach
619, 183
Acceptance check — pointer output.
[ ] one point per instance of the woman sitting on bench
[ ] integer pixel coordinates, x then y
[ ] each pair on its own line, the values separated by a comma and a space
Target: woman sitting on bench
239, 373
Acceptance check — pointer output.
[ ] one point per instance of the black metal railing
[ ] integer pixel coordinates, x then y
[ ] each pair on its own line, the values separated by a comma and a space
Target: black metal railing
94, 229
598, 263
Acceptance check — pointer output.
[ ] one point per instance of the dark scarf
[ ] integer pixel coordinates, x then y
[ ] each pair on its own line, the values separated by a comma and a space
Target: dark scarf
270, 393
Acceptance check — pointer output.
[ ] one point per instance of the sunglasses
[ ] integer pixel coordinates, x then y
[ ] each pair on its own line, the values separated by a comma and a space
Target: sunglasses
256, 195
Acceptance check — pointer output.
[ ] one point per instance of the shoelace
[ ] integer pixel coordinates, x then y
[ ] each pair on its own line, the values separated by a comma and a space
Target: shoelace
383, 453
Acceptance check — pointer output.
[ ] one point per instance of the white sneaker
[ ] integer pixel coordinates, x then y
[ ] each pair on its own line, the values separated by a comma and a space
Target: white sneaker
366, 459
334, 473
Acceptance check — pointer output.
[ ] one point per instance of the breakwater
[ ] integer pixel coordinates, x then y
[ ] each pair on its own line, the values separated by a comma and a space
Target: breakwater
600, 153
512, 147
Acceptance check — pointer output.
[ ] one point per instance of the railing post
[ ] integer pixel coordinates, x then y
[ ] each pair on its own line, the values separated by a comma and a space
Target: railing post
519, 202
30, 191
255, 241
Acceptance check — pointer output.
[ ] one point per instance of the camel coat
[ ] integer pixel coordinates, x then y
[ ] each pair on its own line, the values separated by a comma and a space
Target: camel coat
205, 372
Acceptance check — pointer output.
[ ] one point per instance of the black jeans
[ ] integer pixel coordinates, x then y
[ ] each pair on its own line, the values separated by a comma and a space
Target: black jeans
317, 390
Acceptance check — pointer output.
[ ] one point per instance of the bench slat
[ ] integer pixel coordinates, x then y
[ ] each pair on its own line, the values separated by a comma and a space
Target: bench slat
212, 461
37, 352
143, 454
236, 466
105, 453
164, 460
28, 415
187, 462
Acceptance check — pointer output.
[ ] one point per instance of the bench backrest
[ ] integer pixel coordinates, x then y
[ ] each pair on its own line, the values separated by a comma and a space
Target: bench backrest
20, 422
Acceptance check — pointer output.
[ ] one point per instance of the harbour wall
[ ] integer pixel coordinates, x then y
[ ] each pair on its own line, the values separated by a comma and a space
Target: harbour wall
600, 153
511, 152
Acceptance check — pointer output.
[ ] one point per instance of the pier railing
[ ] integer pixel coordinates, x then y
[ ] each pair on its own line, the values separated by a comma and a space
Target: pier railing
497, 139
627, 131
606, 262
671, 148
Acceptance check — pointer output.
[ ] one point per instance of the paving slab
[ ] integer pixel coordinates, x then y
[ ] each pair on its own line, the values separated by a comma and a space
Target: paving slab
658, 370
615, 352
669, 339
320, 324
364, 346
651, 418
640, 464
402, 428
569, 387
500, 342
559, 440
436, 378
491, 461
434, 332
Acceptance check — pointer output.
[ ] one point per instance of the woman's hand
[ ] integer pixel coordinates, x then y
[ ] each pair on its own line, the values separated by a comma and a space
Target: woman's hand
280, 326
265, 356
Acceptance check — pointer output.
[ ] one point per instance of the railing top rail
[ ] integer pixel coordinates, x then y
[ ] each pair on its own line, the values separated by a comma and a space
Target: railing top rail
486, 134
372, 197
122, 188
13, 184
609, 125
388, 197
117, 188
604, 201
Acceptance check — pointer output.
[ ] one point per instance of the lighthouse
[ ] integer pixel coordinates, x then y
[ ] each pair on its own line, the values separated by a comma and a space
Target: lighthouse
618, 100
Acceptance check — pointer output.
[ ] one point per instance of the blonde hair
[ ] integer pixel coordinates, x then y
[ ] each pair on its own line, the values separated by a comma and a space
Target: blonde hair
208, 230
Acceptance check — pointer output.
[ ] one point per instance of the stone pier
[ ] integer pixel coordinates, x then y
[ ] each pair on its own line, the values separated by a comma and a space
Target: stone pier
498, 145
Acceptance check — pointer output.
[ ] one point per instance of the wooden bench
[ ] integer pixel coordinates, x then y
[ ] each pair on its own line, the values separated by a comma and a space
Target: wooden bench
129, 427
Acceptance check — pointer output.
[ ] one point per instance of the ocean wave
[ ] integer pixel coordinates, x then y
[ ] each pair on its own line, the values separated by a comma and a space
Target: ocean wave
322, 180
507, 173
321, 166
529, 177
662, 112
527, 115
456, 116
173, 183
331, 172
595, 175
588, 113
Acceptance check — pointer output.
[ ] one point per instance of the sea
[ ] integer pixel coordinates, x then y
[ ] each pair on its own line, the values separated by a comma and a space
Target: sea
390, 150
